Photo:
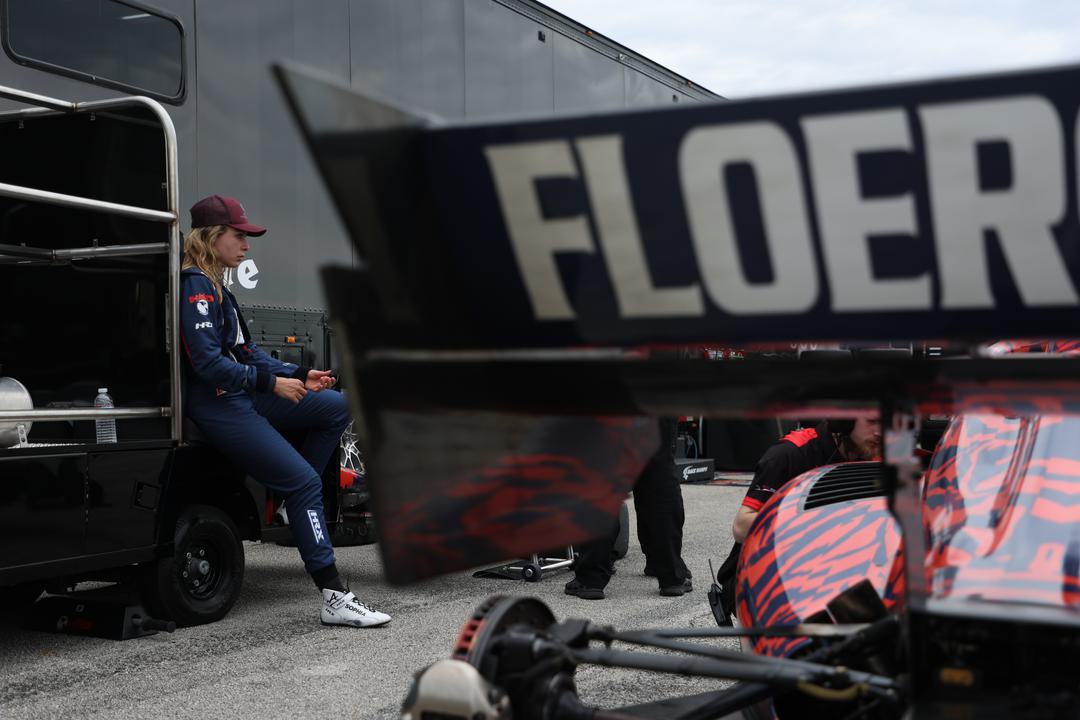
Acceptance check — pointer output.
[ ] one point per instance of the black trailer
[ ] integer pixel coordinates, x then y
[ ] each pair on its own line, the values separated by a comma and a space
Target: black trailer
92, 198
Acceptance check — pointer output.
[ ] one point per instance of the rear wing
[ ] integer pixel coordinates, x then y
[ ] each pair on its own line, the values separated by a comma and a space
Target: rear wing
513, 271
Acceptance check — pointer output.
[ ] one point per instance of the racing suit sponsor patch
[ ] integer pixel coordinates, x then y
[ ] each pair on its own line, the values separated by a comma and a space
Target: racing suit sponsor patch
316, 526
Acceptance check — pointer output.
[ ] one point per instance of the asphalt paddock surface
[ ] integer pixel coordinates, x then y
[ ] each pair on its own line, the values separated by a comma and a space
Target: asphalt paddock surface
272, 658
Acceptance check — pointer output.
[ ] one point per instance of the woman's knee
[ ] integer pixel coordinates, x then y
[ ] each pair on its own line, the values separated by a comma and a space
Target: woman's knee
338, 409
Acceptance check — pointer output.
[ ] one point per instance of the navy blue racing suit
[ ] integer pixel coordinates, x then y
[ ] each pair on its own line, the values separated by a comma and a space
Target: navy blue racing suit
230, 398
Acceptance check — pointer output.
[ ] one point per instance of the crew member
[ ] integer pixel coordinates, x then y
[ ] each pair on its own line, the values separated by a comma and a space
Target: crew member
240, 397
659, 506
802, 450
834, 441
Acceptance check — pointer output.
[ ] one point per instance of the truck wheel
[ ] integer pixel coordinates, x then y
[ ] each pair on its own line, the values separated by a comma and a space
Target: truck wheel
202, 579
622, 541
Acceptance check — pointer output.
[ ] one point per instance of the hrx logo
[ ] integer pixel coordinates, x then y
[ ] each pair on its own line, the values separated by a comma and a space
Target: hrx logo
316, 526
201, 325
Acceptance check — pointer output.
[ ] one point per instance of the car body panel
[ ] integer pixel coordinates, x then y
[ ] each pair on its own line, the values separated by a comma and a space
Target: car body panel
795, 560
1002, 509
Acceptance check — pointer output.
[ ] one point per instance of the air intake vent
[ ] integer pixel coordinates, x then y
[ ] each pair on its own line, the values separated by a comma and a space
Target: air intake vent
854, 481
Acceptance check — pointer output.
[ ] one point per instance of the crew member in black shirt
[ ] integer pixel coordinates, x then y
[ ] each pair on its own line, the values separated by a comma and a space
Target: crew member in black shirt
834, 441
801, 450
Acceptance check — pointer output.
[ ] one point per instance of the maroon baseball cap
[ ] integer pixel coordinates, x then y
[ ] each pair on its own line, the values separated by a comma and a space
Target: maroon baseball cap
221, 210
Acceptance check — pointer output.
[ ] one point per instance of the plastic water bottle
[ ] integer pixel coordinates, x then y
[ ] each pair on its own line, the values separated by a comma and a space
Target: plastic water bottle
106, 427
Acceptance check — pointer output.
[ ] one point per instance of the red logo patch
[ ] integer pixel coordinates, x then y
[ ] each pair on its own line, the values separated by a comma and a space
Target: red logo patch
196, 298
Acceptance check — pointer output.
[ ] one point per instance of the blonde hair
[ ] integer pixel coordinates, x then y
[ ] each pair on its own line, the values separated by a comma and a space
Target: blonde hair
199, 253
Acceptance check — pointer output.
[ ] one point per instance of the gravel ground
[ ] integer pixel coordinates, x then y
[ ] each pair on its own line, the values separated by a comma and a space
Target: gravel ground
271, 658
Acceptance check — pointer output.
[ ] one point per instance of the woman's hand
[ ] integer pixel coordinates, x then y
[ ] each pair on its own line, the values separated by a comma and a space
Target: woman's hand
290, 389
319, 380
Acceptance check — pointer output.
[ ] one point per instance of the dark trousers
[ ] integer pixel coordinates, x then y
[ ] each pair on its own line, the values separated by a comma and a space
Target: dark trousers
659, 506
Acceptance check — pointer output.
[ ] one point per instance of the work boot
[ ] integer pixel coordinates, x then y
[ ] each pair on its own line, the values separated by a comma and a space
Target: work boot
649, 572
342, 608
575, 588
677, 590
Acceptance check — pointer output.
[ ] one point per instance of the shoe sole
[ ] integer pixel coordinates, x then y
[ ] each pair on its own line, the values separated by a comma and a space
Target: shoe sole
587, 596
355, 625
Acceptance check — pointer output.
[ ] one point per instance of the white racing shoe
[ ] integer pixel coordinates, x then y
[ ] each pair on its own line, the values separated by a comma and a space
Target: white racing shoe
342, 608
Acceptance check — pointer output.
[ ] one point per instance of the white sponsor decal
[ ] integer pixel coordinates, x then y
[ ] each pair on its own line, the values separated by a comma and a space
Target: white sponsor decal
693, 470
830, 203
316, 526
207, 324
203, 307
247, 274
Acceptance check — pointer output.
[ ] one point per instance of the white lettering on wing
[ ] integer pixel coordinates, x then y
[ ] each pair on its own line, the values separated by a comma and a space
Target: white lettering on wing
704, 154
794, 185
847, 220
617, 228
1022, 214
535, 239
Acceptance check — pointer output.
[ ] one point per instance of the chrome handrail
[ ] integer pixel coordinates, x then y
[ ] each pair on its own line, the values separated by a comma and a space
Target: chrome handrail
33, 253
54, 198
48, 106
34, 99
46, 415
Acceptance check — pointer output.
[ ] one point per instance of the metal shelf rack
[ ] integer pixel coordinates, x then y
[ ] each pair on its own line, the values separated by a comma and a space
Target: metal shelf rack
46, 106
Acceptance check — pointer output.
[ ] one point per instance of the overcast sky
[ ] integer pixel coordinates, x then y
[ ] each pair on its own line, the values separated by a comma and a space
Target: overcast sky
739, 48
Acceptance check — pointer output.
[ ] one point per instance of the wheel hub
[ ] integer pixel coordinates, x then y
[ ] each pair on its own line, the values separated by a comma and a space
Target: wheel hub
198, 567
200, 575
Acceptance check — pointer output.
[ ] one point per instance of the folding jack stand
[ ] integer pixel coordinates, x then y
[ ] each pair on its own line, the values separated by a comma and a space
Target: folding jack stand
96, 615
531, 570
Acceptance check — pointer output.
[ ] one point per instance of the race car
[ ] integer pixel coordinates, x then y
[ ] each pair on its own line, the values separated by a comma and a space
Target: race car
1000, 553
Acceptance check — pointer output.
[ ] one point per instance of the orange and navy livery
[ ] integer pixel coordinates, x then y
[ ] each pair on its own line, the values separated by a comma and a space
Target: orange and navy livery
1001, 505
1002, 508
820, 534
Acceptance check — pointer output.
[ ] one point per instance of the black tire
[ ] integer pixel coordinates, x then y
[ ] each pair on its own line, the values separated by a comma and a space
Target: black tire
531, 572
622, 541
202, 579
